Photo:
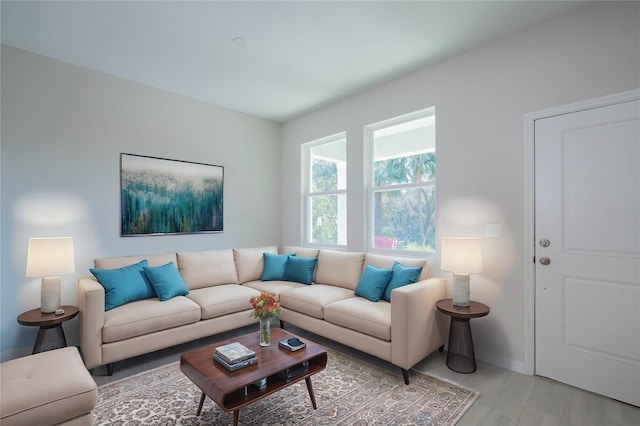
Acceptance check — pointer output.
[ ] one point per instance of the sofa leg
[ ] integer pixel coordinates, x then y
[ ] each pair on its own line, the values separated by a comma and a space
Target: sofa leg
110, 368
281, 324
405, 375
441, 348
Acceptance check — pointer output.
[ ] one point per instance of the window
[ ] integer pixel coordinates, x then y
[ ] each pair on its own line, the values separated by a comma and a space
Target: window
325, 176
402, 161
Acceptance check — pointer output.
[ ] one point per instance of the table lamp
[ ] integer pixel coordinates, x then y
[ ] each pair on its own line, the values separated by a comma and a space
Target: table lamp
462, 256
49, 258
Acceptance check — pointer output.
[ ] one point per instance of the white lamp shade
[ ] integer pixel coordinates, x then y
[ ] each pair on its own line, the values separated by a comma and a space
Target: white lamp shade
50, 257
462, 255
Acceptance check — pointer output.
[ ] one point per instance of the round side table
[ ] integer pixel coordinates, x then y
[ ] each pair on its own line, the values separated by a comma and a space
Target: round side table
460, 355
51, 335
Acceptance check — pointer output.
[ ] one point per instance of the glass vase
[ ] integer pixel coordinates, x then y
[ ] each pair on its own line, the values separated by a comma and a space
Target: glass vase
265, 331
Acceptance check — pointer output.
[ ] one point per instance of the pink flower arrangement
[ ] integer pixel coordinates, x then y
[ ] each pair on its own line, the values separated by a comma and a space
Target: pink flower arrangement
265, 306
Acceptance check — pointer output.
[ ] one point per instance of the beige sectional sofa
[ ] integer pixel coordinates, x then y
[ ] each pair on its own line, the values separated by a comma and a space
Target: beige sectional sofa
220, 283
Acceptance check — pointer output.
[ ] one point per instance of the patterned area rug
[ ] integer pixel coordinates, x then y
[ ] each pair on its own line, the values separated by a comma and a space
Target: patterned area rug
348, 392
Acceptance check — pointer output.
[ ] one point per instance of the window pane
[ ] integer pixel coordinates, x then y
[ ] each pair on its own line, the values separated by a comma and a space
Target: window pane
409, 169
404, 219
402, 186
328, 219
328, 166
324, 175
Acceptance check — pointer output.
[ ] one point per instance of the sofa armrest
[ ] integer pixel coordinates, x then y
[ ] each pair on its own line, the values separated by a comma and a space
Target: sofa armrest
417, 328
91, 320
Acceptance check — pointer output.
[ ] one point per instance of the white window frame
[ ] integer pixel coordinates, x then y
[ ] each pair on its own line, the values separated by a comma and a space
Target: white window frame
370, 188
307, 194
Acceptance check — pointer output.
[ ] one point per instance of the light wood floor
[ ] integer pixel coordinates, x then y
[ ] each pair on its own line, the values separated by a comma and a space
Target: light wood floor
506, 398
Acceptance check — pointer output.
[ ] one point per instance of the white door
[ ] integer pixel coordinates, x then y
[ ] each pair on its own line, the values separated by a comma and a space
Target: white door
587, 205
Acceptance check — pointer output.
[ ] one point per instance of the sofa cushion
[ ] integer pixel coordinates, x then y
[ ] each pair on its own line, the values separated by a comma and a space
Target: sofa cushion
119, 262
50, 387
249, 262
222, 300
206, 268
124, 285
312, 299
275, 287
148, 316
339, 268
372, 282
166, 281
362, 315
401, 276
387, 262
274, 265
299, 269
300, 251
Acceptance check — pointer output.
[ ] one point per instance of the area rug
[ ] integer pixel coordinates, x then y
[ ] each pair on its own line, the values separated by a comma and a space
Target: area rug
348, 392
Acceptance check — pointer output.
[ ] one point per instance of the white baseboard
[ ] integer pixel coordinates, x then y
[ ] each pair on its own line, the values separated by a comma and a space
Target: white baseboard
501, 361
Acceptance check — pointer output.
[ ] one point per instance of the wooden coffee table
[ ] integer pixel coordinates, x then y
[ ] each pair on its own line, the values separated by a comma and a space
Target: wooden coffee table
233, 390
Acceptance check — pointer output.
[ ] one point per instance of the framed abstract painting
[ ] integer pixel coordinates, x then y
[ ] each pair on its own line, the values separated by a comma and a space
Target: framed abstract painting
159, 196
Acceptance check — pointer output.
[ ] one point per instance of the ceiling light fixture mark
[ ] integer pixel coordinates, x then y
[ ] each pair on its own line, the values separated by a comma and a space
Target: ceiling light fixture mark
240, 41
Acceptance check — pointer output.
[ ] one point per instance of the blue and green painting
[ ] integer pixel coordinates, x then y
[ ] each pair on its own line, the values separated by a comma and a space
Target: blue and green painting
160, 196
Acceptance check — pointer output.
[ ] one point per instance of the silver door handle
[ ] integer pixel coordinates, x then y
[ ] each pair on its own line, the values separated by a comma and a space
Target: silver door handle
545, 260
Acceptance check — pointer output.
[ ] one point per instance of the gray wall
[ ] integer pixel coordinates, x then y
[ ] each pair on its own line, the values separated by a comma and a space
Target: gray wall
481, 98
63, 129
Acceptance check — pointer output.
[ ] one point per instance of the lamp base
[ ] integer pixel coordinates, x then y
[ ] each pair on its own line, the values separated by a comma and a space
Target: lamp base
461, 292
50, 295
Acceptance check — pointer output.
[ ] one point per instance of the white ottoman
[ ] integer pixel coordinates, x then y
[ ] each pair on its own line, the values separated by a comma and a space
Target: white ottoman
49, 388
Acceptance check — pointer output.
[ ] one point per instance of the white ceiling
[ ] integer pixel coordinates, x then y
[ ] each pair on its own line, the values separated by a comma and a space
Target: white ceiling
298, 55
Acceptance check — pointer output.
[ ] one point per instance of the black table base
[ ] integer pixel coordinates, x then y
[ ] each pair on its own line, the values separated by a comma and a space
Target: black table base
50, 338
460, 356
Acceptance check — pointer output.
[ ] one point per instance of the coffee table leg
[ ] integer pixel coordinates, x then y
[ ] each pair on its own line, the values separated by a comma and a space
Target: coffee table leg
236, 415
201, 403
311, 394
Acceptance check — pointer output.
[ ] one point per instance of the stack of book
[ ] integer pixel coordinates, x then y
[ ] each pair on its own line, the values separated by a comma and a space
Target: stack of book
235, 356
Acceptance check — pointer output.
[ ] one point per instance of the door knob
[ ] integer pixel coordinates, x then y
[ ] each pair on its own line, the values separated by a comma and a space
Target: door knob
545, 242
545, 260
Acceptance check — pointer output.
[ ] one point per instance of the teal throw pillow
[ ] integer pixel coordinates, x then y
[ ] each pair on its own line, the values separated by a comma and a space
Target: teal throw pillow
402, 275
372, 282
124, 285
274, 266
299, 269
166, 280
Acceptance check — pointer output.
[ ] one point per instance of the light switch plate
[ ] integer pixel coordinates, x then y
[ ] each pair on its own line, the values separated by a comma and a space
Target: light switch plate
493, 230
